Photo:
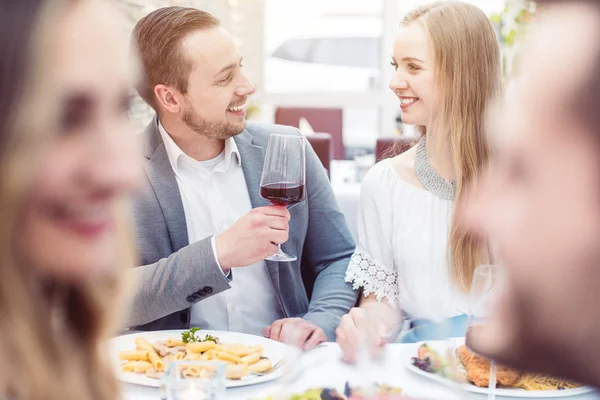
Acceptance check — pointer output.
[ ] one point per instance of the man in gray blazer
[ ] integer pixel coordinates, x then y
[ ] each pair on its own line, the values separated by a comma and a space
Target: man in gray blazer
203, 230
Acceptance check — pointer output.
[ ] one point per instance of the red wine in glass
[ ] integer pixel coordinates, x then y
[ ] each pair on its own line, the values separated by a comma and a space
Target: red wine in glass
284, 177
283, 193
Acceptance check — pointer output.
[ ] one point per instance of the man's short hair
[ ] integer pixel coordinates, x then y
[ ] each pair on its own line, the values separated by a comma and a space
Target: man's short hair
158, 39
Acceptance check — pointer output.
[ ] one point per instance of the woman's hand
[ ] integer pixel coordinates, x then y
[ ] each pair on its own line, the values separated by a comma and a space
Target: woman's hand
366, 328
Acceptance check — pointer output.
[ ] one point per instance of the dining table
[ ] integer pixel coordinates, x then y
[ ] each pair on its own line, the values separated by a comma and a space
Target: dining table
323, 368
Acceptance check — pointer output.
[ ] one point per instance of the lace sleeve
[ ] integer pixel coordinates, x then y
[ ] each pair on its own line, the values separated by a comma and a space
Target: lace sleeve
363, 272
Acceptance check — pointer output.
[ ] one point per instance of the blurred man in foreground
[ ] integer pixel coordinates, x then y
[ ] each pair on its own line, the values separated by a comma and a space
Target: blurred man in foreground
540, 201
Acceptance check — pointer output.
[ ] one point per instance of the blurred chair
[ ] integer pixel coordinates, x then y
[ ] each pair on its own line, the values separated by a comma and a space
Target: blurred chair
322, 145
391, 146
328, 120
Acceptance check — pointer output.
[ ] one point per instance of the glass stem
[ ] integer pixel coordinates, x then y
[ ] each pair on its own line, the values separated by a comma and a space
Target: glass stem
279, 251
492, 384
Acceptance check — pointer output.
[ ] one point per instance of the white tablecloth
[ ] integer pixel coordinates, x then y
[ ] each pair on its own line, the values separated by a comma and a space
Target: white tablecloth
324, 369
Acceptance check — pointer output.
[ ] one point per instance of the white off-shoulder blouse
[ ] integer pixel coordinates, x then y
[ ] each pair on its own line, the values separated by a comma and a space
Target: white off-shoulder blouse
401, 249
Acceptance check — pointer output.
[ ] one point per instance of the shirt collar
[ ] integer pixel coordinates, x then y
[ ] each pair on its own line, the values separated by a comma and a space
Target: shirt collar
174, 152
231, 152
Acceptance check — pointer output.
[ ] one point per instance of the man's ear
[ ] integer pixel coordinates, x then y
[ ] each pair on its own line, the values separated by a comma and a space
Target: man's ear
168, 98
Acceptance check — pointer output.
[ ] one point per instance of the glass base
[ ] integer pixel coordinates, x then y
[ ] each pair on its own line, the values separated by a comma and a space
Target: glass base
280, 256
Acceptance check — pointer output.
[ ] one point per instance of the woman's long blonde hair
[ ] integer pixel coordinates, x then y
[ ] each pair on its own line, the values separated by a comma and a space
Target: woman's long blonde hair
468, 74
51, 331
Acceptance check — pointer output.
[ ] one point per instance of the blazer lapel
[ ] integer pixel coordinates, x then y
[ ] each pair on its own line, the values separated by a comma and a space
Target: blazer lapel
163, 181
253, 158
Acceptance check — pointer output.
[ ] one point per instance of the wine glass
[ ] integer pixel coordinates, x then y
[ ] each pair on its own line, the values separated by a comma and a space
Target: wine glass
379, 323
487, 285
284, 177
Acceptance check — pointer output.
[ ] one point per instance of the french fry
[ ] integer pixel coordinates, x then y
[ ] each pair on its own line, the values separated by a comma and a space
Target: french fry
136, 355
199, 347
128, 366
198, 372
143, 344
238, 350
141, 366
192, 356
264, 365
223, 356
208, 372
175, 342
251, 358
157, 362
256, 349
236, 372
221, 348
191, 372
154, 374
169, 358
211, 354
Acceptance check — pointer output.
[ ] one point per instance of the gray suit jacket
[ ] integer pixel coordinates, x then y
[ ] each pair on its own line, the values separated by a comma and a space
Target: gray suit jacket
174, 274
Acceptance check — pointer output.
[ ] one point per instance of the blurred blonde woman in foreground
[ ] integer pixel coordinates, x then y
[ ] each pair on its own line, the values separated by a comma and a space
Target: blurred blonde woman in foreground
410, 251
66, 168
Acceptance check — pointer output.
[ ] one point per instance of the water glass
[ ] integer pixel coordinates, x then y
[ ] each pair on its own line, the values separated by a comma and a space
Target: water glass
194, 380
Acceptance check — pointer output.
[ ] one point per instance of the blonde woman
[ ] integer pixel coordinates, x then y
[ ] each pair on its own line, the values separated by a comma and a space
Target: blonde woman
66, 167
410, 252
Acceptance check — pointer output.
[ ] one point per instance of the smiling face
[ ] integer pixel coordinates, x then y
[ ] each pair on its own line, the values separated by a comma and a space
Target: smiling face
413, 79
217, 88
69, 222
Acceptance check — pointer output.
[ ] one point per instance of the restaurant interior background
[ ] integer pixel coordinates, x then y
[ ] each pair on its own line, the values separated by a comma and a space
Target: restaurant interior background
324, 67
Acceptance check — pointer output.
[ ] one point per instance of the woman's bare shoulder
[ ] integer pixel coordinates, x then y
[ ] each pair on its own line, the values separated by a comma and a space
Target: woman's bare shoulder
404, 166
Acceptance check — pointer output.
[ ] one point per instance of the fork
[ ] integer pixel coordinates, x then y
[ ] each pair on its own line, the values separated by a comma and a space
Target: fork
281, 362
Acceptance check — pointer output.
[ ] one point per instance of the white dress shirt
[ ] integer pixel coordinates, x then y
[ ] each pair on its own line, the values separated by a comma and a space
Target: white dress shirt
215, 196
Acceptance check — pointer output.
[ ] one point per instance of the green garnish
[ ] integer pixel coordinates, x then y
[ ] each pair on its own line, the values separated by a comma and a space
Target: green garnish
191, 336
210, 338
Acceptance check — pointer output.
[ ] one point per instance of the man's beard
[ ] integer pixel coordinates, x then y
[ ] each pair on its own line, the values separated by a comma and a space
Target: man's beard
211, 130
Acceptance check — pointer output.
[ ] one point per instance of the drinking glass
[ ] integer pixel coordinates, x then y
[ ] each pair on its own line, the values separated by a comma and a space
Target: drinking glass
194, 380
284, 177
381, 323
487, 285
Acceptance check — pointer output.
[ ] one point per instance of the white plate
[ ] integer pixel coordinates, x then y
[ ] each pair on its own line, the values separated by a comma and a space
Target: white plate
440, 346
275, 351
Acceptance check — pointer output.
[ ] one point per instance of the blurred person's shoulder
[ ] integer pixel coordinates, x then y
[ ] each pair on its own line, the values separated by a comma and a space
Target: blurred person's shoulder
259, 132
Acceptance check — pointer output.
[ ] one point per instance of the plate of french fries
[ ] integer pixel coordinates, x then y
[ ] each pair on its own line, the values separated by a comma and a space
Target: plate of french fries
143, 358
